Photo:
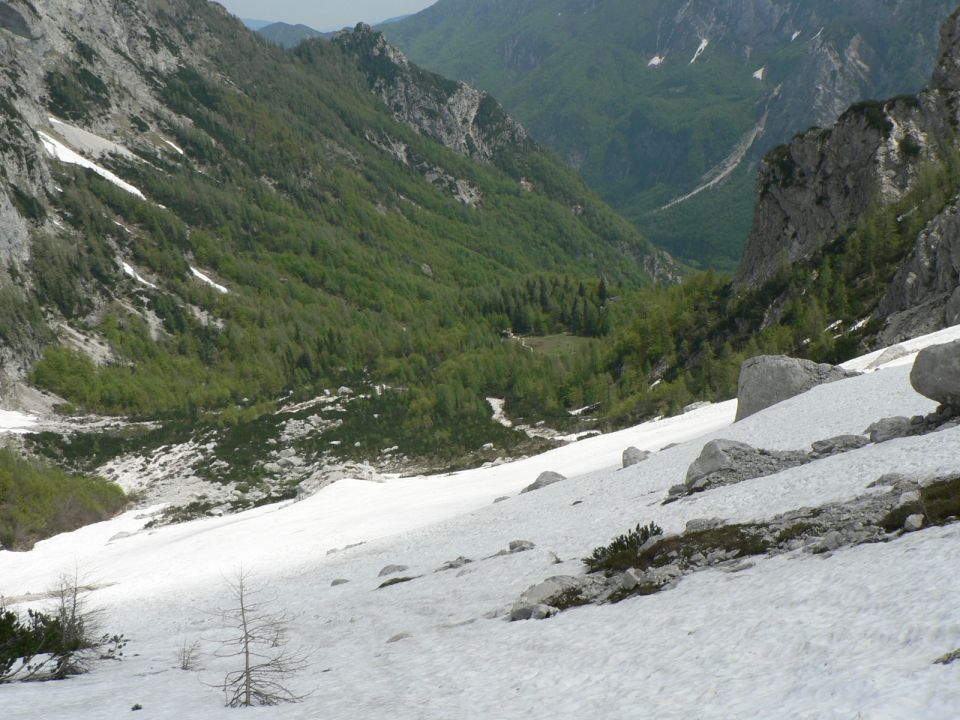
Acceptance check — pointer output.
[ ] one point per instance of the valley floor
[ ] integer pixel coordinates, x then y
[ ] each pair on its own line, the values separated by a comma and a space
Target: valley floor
848, 634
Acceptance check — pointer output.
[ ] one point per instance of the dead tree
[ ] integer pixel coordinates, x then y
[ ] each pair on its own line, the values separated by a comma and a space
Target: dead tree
259, 644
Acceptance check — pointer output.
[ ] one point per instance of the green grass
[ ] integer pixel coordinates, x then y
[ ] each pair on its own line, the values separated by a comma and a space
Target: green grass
564, 347
38, 501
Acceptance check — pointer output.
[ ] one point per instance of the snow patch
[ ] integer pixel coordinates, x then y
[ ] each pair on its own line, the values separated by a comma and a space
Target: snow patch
759, 74
795, 36
64, 154
205, 279
128, 269
499, 416
656, 61
175, 147
16, 423
703, 46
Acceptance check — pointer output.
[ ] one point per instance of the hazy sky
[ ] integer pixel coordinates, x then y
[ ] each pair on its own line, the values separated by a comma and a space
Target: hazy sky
324, 14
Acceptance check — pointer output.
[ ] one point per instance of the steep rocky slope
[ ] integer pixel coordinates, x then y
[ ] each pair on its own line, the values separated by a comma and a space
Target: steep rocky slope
204, 231
671, 103
813, 191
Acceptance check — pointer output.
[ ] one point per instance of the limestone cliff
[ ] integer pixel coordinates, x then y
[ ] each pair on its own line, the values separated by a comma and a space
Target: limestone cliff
810, 191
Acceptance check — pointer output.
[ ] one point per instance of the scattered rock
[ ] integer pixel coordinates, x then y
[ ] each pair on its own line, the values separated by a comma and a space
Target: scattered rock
701, 524
838, 444
768, 379
394, 581
399, 636
829, 542
454, 564
632, 456
545, 478
391, 569
950, 657
936, 373
913, 523
889, 429
339, 581
520, 546
550, 590
526, 611
908, 498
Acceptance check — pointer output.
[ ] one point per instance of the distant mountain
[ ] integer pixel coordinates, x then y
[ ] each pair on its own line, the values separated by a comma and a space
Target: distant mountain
666, 106
256, 24
289, 36
390, 21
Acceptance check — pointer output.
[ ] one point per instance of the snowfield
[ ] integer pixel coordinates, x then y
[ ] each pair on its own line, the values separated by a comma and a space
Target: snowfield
852, 634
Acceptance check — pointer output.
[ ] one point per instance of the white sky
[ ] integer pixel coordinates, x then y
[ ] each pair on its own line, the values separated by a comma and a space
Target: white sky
324, 14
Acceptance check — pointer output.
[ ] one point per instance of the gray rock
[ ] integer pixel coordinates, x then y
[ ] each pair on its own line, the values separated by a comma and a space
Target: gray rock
838, 444
545, 478
632, 456
717, 455
889, 429
696, 406
701, 524
501, 499
399, 636
724, 462
631, 578
520, 546
526, 611
768, 379
391, 569
936, 373
550, 590
913, 523
454, 564
829, 542
908, 498
339, 581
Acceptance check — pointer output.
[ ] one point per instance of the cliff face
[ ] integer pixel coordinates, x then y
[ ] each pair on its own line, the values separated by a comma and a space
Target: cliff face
813, 188
462, 118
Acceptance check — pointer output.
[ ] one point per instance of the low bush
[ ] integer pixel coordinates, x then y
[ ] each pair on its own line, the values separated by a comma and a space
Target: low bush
623, 550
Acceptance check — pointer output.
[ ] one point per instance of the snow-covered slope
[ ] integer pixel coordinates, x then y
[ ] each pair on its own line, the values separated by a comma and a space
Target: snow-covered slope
852, 634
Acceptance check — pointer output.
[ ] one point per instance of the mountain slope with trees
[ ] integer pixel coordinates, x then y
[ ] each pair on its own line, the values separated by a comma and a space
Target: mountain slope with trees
652, 101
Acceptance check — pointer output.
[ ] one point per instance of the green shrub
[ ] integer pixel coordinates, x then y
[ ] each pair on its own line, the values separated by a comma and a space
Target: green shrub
623, 550
38, 501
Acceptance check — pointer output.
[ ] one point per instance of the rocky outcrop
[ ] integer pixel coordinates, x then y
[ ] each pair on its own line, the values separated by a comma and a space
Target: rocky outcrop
726, 462
924, 295
768, 379
462, 118
810, 190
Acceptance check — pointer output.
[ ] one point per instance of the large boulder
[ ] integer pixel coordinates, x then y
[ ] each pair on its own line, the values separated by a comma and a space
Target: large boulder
766, 380
936, 373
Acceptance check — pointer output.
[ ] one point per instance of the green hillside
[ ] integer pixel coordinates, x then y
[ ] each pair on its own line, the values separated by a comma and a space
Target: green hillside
579, 75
